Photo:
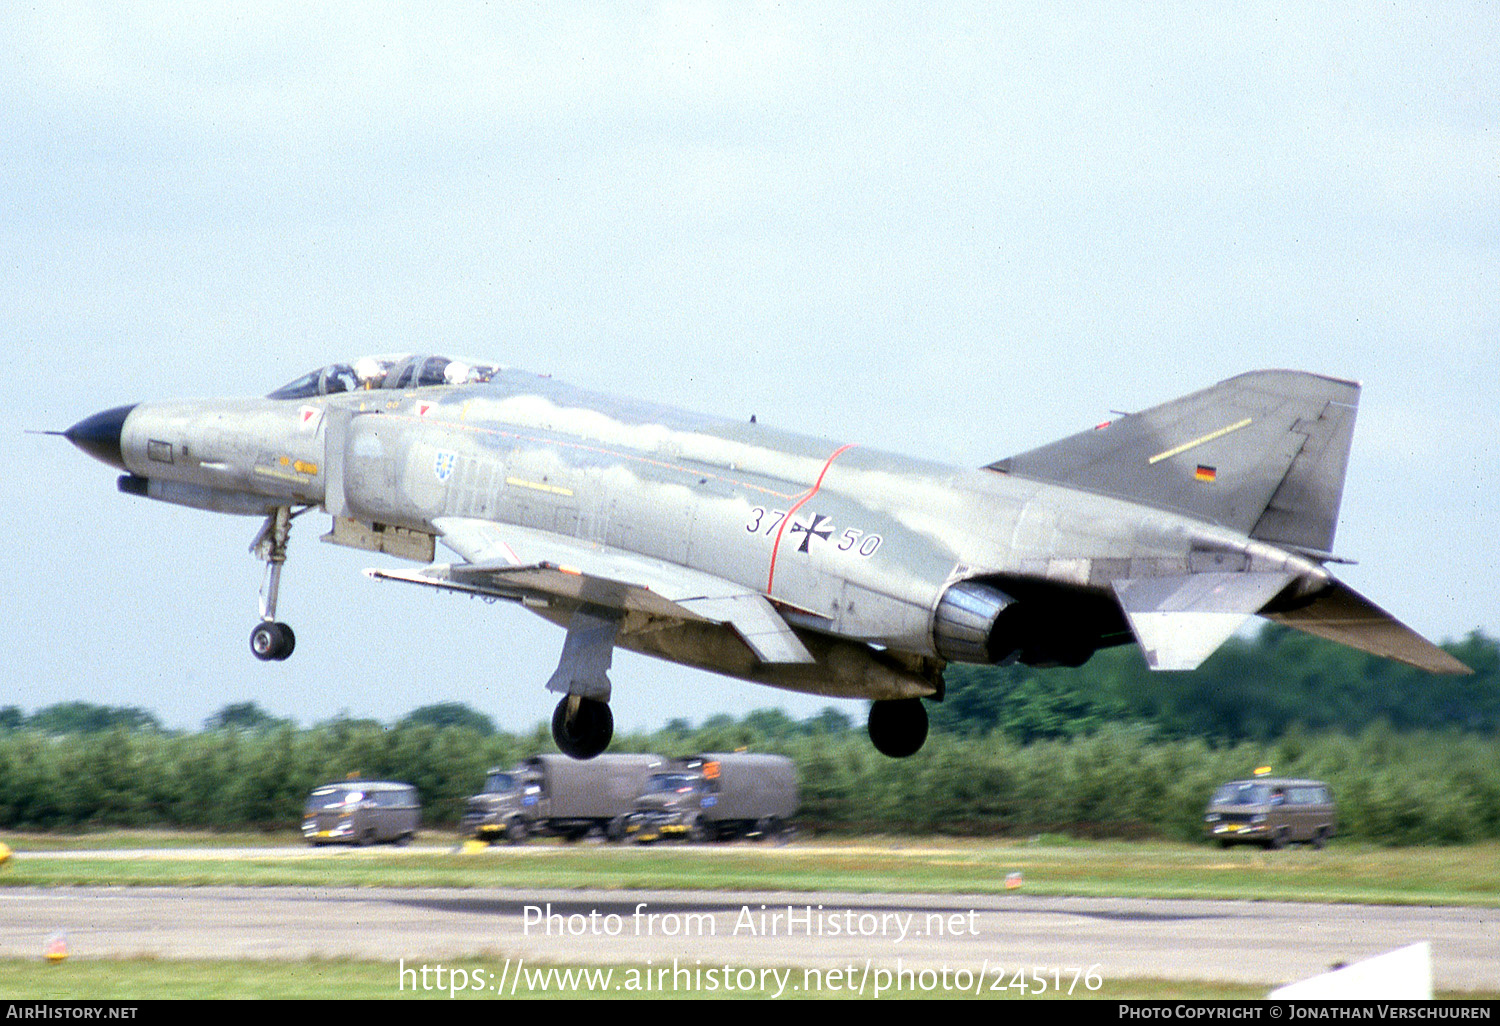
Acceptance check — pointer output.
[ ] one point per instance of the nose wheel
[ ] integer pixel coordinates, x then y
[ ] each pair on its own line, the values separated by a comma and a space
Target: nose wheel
271, 640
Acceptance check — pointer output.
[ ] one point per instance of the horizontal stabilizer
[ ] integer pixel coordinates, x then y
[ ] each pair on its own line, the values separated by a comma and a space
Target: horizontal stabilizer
1343, 615
1180, 621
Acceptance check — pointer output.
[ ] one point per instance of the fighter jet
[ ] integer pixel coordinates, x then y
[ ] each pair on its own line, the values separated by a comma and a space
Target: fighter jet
802, 563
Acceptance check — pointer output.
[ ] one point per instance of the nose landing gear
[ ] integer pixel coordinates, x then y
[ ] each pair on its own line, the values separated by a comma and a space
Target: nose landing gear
270, 639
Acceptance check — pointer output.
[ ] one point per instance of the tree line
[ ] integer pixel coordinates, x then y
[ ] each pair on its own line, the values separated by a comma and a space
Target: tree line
1107, 750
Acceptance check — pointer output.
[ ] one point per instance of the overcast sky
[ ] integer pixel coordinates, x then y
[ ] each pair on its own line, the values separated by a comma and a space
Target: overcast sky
957, 231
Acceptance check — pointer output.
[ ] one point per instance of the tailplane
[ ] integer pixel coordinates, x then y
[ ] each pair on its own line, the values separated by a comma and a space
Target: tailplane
1339, 613
1263, 454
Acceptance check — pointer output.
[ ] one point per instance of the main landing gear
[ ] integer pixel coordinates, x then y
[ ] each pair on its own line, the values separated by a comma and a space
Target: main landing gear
898, 727
270, 639
582, 725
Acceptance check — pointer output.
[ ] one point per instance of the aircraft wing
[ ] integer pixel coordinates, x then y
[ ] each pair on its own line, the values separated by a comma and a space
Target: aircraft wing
521, 563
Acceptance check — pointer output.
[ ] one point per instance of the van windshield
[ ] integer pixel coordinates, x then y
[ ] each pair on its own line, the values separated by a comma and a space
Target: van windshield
334, 798
1242, 794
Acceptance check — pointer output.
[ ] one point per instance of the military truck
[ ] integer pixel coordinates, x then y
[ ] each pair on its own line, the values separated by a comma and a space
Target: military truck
716, 797
558, 796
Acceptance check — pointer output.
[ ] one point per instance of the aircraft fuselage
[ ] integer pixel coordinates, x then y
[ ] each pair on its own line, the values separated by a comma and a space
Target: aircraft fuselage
846, 541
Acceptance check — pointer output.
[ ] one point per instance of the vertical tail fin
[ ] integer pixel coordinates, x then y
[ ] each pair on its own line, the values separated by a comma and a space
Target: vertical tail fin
1263, 453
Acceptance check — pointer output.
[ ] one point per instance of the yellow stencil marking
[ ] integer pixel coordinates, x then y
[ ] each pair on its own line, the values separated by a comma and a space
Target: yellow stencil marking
538, 486
1185, 446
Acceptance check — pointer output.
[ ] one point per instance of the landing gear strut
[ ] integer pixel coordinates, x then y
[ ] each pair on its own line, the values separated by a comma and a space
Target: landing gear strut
582, 727
898, 727
272, 640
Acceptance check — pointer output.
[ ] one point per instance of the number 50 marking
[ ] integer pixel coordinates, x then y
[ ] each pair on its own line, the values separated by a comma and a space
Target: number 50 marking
867, 548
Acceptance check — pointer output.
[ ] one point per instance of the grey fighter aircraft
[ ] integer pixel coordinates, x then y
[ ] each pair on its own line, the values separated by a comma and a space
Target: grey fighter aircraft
805, 564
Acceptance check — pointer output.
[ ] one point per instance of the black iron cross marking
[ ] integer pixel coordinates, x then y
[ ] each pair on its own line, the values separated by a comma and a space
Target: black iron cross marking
812, 529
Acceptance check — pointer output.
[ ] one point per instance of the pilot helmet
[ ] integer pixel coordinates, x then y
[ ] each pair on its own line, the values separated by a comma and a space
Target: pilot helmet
369, 370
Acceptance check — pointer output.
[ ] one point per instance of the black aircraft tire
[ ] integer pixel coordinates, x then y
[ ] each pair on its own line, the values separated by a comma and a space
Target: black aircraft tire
898, 728
270, 641
288, 642
588, 732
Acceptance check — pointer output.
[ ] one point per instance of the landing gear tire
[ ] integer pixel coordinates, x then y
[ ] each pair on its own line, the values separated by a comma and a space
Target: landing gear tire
585, 730
898, 728
270, 640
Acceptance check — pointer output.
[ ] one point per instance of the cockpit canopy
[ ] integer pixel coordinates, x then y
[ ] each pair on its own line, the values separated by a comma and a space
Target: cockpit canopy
370, 372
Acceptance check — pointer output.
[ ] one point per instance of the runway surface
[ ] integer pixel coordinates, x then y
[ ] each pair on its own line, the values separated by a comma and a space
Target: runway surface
987, 935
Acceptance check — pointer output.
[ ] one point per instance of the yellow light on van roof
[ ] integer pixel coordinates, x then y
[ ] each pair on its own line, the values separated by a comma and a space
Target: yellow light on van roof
1262, 771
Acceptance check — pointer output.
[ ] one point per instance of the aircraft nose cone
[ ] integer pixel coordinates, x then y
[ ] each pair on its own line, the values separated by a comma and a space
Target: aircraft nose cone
99, 435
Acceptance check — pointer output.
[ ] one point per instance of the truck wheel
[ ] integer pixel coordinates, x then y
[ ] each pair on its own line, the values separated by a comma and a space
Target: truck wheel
768, 828
614, 832
698, 832
515, 832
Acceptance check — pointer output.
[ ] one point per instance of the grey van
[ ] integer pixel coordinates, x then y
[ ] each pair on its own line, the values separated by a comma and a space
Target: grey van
361, 812
1271, 811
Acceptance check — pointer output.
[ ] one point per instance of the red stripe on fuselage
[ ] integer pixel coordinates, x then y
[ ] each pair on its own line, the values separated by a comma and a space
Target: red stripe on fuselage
776, 547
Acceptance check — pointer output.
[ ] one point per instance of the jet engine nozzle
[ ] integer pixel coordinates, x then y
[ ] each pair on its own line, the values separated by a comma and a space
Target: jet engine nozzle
963, 628
99, 435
